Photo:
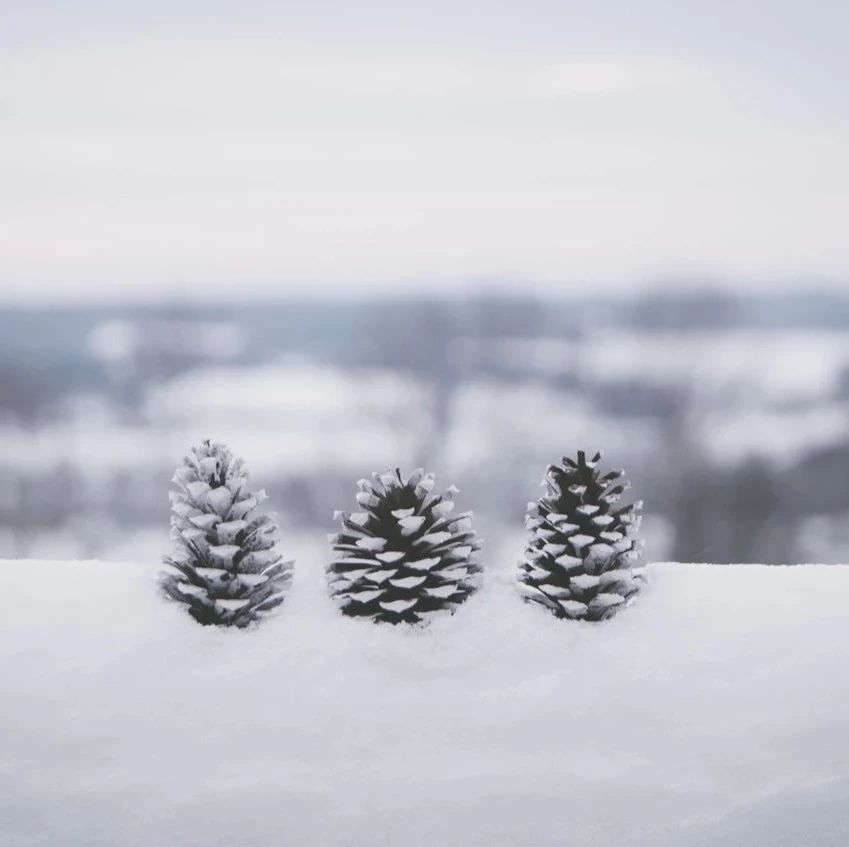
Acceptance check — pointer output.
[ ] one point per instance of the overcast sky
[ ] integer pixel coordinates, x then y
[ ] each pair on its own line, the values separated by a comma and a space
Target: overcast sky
257, 147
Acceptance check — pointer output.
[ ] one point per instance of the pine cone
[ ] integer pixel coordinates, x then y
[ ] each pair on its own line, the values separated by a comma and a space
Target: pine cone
224, 566
580, 556
402, 558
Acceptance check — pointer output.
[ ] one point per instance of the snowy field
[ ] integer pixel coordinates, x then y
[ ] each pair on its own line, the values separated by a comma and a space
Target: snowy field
715, 711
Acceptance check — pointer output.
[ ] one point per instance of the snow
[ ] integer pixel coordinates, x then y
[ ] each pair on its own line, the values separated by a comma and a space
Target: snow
289, 417
713, 711
120, 341
803, 363
285, 418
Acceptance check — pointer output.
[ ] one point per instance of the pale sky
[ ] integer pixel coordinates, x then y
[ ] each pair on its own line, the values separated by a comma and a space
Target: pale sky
272, 147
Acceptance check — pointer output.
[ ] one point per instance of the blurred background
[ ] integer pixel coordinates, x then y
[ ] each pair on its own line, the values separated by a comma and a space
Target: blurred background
471, 236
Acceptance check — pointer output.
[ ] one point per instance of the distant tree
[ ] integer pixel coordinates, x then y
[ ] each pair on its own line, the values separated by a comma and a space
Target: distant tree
579, 562
225, 567
27, 393
402, 558
736, 514
701, 308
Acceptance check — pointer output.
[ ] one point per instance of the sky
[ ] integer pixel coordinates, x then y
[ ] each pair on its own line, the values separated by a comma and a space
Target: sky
197, 149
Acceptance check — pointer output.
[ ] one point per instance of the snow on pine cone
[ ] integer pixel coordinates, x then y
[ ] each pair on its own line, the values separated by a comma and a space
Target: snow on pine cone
579, 562
402, 557
224, 566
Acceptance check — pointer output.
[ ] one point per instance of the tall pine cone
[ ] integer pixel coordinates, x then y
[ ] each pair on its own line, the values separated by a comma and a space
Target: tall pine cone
579, 562
224, 567
402, 558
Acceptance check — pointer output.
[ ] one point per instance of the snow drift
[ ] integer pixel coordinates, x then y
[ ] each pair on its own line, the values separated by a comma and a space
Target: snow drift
715, 711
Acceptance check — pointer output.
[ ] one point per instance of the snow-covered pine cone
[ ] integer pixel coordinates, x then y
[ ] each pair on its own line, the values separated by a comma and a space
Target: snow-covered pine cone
402, 557
224, 566
579, 562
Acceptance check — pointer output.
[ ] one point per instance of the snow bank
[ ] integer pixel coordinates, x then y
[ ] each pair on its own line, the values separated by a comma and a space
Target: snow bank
714, 711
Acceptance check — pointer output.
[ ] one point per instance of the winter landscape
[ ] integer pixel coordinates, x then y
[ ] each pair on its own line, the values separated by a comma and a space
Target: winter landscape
730, 415
424, 424
709, 712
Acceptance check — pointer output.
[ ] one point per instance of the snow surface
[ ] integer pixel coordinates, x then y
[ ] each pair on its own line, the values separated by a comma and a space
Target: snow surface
714, 711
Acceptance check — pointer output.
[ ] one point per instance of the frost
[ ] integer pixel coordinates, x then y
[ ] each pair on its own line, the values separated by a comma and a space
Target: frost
379, 576
557, 518
231, 528
204, 521
232, 605
555, 590
242, 507
408, 581
220, 499
569, 562
211, 573
225, 552
573, 608
599, 553
426, 483
579, 541
194, 590
259, 558
424, 564
366, 596
434, 538
197, 489
252, 579
440, 510
390, 556
371, 543
584, 581
411, 524
366, 499
354, 574
398, 606
605, 601
620, 576
208, 466
531, 591
359, 518
441, 590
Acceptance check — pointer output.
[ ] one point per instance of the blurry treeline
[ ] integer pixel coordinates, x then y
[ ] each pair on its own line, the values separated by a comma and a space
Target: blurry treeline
729, 414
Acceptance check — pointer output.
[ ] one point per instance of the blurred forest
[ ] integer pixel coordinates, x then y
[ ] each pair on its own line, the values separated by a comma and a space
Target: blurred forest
729, 414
